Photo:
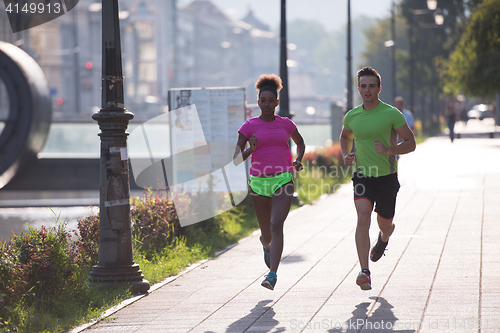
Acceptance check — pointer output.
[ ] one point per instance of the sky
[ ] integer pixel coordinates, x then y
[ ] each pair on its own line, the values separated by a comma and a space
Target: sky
332, 14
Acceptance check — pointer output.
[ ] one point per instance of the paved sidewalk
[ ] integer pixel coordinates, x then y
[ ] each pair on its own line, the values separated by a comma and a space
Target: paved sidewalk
441, 271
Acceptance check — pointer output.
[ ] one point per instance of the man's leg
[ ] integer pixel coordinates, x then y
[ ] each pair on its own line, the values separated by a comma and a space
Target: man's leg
386, 227
364, 209
387, 188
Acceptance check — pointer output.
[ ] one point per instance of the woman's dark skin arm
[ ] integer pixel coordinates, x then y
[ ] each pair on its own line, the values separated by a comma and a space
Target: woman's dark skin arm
301, 147
240, 148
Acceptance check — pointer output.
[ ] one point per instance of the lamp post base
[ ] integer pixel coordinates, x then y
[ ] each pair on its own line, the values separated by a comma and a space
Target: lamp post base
119, 275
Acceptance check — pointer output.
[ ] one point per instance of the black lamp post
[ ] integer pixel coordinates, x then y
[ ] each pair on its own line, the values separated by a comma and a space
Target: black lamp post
284, 100
393, 49
349, 58
412, 64
414, 16
115, 265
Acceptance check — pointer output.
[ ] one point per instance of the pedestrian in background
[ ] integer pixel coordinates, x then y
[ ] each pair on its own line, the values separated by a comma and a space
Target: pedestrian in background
271, 185
450, 114
399, 103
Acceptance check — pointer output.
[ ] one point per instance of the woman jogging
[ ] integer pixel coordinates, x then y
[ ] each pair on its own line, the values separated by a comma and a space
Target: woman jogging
271, 185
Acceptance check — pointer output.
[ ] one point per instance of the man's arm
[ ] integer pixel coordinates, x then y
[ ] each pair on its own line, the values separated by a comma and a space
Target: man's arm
407, 146
345, 139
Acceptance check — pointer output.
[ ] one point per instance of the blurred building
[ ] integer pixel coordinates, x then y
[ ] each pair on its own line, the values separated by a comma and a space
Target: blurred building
163, 47
213, 51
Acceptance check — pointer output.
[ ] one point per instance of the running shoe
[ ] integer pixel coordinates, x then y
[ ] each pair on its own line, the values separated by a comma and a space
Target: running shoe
363, 280
267, 258
378, 249
270, 280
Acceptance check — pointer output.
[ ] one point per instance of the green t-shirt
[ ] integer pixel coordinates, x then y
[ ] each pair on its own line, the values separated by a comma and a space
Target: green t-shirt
370, 125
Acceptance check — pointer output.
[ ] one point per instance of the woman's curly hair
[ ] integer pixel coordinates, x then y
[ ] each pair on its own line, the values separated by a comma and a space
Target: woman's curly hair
269, 82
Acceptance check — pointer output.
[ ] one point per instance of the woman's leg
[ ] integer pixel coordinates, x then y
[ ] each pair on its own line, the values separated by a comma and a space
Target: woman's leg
262, 206
281, 203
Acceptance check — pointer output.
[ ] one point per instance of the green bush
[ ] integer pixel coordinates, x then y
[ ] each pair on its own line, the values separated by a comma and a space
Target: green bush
324, 157
38, 269
10, 282
48, 261
88, 239
324, 171
155, 223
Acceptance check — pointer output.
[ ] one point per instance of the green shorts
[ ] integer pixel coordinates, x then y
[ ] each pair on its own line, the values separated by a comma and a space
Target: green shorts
266, 186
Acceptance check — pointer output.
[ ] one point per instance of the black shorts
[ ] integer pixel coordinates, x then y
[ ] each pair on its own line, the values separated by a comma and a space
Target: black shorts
381, 191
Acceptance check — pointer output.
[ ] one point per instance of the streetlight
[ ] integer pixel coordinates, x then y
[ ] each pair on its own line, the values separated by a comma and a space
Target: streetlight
432, 4
284, 101
438, 21
392, 44
393, 34
115, 264
349, 58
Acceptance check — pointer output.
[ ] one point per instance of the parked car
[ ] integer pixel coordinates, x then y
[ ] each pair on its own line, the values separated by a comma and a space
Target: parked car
480, 111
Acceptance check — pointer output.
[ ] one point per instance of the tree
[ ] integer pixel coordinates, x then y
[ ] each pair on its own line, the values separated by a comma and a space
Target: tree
305, 34
330, 56
378, 56
433, 45
474, 66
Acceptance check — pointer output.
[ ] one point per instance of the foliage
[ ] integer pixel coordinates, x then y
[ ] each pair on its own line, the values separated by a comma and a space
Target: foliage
324, 171
48, 260
10, 283
224, 229
378, 56
418, 41
156, 223
305, 34
39, 269
88, 239
473, 67
171, 261
327, 50
330, 54
324, 157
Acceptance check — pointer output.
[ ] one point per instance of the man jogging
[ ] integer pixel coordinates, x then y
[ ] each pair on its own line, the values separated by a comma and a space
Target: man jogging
375, 126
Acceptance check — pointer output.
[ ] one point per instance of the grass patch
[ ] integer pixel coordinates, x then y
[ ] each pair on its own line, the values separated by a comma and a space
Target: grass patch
171, 261
314, 181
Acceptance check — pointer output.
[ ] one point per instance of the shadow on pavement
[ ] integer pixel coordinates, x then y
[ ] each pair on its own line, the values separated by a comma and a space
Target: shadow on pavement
291, 259
259, 311
381, 320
